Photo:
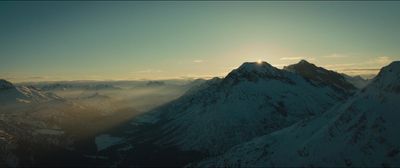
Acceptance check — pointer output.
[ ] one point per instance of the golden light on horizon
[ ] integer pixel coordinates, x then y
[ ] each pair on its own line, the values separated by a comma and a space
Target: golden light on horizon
259, 61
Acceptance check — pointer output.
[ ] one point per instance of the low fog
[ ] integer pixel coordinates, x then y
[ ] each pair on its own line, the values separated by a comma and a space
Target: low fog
46, 117
101, 105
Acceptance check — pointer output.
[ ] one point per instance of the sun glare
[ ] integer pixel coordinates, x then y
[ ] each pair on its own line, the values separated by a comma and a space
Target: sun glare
259, 61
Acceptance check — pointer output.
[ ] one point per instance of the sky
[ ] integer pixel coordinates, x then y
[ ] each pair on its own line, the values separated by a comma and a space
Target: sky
130, 40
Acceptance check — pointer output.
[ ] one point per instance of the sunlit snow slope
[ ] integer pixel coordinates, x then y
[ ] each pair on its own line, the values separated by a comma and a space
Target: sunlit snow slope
363, 131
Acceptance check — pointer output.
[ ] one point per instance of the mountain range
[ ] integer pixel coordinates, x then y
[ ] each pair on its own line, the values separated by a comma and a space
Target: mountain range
360, 132
256, 116
252, 100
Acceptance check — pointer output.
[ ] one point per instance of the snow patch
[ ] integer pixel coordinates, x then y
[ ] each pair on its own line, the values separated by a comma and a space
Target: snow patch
105, 141
126, 148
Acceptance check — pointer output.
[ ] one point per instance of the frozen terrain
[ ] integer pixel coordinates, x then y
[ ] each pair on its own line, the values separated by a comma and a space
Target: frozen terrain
257, 115
253, 100
34, 119
361, 132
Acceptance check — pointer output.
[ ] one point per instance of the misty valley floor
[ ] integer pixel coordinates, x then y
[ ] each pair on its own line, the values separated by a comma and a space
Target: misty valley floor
144, 154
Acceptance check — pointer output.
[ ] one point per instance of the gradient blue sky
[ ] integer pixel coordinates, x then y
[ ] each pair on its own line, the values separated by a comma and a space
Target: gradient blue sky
157, 40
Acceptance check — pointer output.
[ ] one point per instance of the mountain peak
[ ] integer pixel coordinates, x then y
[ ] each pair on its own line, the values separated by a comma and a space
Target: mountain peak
389, 77
320, 75
5, 84
304, 62
393, 67
390, 71
256, 66
302, 66
253, 71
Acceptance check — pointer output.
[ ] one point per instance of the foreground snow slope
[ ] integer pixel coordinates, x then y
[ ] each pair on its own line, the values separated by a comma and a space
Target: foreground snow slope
363, 131
252, 100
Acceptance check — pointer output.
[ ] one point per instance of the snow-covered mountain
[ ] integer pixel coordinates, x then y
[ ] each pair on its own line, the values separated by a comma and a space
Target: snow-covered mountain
357, 81
77, 86
361, 132
155, 83
31, 118
5, 84
252, 100
17, 95
322, 77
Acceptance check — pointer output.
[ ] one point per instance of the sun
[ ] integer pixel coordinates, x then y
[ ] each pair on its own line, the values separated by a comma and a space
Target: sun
259, 61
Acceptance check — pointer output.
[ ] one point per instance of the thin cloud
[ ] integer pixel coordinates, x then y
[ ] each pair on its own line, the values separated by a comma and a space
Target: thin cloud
338, 65
367, 65
37, 77
192, 77
292, 58
377, 61
336, 56
148, 71
297, 58
198, 61
362, 69
384, 60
